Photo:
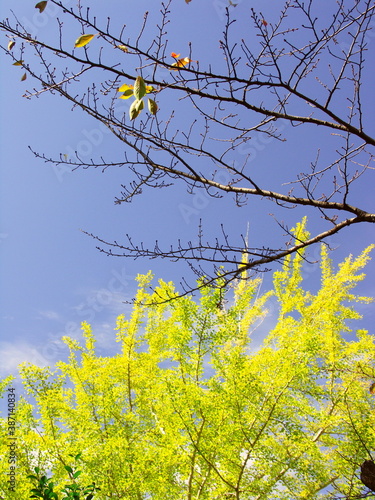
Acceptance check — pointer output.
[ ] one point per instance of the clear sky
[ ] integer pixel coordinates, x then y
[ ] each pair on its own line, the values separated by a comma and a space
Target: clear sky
52, 277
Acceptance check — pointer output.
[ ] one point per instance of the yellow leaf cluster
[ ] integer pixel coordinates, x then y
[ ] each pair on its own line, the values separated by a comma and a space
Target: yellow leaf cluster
138, 90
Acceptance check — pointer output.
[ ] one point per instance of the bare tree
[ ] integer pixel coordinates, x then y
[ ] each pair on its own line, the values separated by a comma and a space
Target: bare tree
298, 69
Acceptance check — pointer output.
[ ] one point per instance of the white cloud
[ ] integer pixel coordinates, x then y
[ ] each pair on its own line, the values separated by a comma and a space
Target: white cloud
49, 315
13, 354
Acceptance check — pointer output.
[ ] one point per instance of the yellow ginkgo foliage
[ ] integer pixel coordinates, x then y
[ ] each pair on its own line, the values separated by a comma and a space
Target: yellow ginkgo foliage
190, 404
83, 40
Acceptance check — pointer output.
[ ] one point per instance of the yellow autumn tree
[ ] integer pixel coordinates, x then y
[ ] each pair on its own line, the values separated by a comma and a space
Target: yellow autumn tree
188, 408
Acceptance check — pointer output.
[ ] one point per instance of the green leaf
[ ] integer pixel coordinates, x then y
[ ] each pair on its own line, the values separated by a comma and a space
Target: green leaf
128, 90
76, 474
41, 6
37, 493
68, 468
136, 108
139, 88
140, 105
31, 476
152, 106
83, 40
128, 93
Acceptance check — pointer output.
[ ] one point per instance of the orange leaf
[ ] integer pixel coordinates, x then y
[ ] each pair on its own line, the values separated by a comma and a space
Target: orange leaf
176, 56
182, 62
264, 22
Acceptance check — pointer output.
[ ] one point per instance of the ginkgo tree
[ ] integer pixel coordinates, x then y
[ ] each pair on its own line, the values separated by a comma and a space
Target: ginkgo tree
300, 66
188, 408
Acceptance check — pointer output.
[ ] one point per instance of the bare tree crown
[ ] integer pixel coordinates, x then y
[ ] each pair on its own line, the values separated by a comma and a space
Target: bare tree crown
297, 69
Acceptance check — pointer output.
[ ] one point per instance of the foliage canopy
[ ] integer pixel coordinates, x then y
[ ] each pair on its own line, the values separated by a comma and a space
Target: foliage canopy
189, 409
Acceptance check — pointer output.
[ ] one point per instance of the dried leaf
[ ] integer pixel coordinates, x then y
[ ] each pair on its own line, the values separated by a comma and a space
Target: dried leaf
372, 388
264, 22
18, 63
83, 40
41, 6
11, 44
124, 48
24, 76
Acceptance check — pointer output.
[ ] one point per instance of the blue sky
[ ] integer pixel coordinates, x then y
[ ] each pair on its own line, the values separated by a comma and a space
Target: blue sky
52, 277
